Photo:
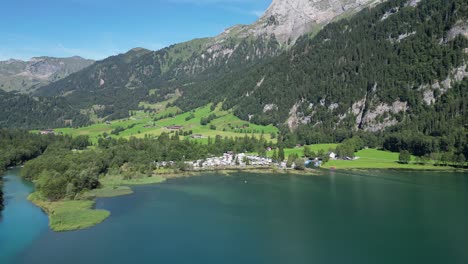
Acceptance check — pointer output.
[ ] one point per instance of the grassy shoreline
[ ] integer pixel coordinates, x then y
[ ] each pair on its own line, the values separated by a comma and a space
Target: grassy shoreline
69, 215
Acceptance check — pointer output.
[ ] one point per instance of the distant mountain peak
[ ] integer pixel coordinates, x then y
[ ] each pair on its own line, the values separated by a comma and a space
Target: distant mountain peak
19, 75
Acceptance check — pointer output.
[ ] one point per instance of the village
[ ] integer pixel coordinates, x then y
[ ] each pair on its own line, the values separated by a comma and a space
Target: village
232, 160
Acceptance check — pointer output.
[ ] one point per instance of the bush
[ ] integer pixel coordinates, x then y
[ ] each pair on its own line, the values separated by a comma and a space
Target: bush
299, 164
52, 185
404, 157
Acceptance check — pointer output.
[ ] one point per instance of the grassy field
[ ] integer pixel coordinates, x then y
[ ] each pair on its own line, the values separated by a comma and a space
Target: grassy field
315, 148
300, 150
378, 159
141, 124
70, 215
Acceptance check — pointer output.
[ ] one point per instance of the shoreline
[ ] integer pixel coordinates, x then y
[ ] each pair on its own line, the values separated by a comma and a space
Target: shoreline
231, 170
71, 215
409, 169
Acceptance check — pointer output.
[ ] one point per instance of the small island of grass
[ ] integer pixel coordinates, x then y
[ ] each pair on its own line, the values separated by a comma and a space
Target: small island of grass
67, 215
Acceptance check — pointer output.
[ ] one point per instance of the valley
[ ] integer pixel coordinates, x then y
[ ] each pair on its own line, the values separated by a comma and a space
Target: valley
323, 131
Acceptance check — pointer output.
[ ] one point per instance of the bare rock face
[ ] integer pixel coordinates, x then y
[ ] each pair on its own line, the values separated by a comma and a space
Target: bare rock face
283, 22
289, 19
371, 122
461, 28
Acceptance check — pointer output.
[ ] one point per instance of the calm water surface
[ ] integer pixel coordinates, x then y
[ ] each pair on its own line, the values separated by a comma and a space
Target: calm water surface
20, 222
372, 217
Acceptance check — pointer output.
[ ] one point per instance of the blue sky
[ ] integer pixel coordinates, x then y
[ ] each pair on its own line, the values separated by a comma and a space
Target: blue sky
96, 29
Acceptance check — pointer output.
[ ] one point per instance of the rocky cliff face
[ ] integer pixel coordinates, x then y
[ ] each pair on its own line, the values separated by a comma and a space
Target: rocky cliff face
282, 23
287, 20
18, 75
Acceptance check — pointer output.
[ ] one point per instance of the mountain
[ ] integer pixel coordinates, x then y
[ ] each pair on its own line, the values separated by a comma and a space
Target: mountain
287, 20
25, 76
395, 71
22, 111
119, 83
398, 66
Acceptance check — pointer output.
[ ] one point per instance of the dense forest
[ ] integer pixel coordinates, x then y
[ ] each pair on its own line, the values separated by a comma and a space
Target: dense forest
17, 147
390, 53
62, 173
366, 55
438, 128
382, 55
119, 83
25, 112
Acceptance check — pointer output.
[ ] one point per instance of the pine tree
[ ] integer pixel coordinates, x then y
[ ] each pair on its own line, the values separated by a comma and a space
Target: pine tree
281, 154
274, 157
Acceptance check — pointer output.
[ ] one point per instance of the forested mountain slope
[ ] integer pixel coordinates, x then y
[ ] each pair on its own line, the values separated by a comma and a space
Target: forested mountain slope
391, 63
24, 111
117, 84
18, 75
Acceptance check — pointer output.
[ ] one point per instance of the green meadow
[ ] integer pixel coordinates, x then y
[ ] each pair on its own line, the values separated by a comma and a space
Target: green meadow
379, 159
315, 148
70, 215
143, 123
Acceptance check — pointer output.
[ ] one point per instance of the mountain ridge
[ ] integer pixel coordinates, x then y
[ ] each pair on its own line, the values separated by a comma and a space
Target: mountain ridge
28, 75
181, 64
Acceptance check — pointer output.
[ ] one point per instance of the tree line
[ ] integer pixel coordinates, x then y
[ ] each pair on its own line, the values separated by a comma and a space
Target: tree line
60, 173
19, 146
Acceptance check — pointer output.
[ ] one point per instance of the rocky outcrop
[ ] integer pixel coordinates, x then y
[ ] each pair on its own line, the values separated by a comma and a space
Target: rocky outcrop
389, 13
293, 120
380, 116
287, 20
461, 28
270, 107
413, 3
455, 76
358, 111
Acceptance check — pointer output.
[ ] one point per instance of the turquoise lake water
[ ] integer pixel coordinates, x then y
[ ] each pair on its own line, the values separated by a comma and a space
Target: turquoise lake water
20, 222
356, 217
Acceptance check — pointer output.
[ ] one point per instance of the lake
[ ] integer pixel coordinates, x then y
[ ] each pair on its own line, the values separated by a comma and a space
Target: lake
340, 217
